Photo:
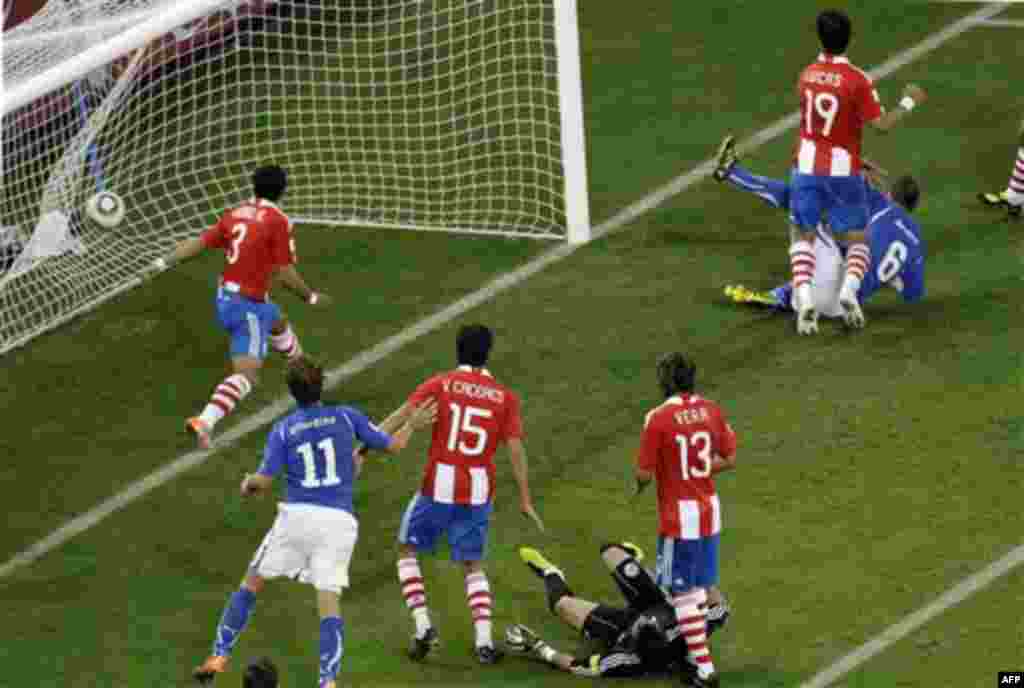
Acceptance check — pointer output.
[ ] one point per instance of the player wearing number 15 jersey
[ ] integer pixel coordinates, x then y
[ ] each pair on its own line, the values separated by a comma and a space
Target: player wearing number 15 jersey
685, 442
475, 415
259, 250
836, 101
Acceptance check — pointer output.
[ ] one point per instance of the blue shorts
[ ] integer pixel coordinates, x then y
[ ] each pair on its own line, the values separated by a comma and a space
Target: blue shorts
687, 564
248, 324
466, 525
842, 202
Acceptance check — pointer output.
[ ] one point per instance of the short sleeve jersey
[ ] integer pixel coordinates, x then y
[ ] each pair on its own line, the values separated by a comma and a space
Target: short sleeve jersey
256, 238
313, 446
836, 100
897, 255
475, 415
679, 439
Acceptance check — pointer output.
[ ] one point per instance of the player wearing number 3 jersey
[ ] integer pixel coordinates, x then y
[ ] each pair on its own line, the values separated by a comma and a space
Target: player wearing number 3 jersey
685, 442
836, 101
475, 415
258, 250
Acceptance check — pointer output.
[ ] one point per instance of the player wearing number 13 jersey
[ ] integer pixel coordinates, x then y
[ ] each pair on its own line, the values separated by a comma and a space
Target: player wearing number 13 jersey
685, 442
476, 414
258, 250
836, 101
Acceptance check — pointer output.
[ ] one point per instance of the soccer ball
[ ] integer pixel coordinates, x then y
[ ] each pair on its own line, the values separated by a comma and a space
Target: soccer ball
106, 209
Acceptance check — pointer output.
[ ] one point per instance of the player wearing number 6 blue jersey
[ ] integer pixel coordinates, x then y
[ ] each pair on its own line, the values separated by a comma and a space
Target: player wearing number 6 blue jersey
894, 237
315, 531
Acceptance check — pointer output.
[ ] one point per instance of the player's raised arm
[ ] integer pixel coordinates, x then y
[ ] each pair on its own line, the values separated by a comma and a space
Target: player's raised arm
913, 95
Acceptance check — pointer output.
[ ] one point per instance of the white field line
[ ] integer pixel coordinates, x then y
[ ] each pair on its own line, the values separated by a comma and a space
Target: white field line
371, 356
913, 621
1012, 23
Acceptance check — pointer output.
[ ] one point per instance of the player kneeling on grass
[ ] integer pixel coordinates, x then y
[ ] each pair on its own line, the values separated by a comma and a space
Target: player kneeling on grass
894, 237
641, 638
256, 238
315, 531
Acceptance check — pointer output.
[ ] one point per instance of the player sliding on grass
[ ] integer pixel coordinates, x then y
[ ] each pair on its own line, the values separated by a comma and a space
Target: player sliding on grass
315, 531
641, 638
475, 414
1013, 197
260, 251
836, 100
897, 249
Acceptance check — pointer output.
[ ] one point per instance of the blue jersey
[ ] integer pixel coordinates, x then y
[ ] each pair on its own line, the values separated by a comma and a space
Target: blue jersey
314, 446
897, 253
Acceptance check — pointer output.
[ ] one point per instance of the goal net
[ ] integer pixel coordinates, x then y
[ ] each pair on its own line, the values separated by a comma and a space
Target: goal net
451, 115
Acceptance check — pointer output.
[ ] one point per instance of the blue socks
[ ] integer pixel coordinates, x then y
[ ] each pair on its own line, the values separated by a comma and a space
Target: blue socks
233, 620
332, 647
775, 192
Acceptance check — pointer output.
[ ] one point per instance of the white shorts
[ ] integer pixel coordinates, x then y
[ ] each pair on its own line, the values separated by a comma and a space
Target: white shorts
312, 544
829, 271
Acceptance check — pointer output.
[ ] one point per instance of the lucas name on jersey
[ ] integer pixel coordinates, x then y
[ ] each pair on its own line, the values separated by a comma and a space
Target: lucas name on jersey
824, 79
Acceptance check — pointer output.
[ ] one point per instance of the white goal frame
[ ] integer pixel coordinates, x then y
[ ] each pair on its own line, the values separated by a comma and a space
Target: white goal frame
140, 28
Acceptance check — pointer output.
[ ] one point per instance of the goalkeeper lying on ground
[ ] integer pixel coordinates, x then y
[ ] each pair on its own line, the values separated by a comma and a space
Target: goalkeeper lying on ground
640, 638
894, 239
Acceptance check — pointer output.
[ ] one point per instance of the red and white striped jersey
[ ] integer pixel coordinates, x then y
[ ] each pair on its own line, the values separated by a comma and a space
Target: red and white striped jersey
680, 438
475, 414
836, 100
256, 238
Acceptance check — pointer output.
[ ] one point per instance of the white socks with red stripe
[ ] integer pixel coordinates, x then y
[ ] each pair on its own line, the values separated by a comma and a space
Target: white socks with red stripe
1015, 190
858, 259
225, 398
802, 262
692, 622
286, 343
411, 580
478, 596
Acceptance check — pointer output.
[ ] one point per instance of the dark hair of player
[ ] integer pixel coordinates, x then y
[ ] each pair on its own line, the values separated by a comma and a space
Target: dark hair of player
261, 673
834, 30
473, 345
305, 381
906, 192
676, 374
269, 182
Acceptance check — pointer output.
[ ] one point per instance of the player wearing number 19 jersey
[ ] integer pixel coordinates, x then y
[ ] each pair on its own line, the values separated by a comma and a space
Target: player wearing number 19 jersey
837, 100
476, 414
685, 442
259, 249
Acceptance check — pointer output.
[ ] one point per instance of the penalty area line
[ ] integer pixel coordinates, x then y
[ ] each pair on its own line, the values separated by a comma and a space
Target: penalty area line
375, 354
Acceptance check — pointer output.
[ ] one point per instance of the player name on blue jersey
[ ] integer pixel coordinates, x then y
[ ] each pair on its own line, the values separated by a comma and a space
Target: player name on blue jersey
314, 446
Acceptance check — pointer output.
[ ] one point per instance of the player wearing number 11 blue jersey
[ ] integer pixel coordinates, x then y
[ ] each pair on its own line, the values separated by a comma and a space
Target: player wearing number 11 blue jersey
315, 531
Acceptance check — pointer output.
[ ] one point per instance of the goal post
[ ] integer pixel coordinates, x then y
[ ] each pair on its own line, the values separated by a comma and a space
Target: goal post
461, 116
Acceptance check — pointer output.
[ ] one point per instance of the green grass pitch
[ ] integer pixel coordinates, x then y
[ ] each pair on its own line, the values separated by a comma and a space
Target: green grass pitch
877, 469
